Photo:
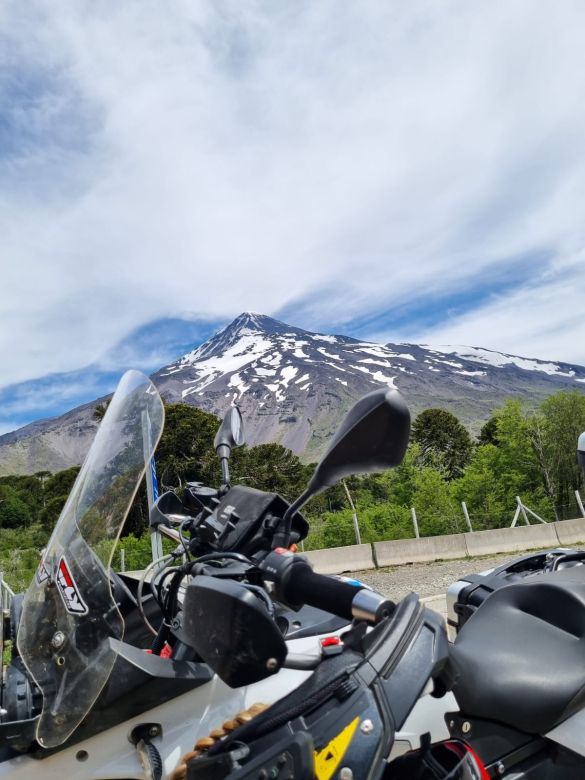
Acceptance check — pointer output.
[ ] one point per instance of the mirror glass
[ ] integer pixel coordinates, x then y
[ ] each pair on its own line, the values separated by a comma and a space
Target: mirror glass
237, 426
231, 430
167, 507
372, 437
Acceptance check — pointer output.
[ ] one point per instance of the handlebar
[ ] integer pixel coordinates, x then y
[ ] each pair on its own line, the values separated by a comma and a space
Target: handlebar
295, 583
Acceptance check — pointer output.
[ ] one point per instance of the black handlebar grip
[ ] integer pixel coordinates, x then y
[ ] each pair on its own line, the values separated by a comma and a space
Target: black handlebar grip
303, 586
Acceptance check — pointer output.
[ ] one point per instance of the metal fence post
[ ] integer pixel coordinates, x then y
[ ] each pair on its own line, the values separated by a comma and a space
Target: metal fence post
415, 522
466, 513
356, 527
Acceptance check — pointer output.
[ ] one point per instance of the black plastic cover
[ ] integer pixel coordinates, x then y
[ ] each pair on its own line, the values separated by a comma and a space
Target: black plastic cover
231, 629
520, 659
255, 508
474, 589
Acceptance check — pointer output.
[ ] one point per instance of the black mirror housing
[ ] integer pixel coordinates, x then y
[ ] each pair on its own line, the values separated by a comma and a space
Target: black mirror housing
168, 503
230, 433
373, 437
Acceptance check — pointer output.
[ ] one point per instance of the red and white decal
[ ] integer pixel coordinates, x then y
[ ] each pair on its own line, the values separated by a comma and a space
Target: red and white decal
69, 590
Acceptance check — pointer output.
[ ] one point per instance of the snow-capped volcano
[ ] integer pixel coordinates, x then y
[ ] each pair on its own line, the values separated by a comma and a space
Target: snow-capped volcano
294, 386
256, 349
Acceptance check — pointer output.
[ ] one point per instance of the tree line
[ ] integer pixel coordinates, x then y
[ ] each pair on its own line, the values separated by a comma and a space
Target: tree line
519, 452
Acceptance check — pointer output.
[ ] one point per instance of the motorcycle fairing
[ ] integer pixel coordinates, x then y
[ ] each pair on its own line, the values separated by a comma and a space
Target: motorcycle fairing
69, 612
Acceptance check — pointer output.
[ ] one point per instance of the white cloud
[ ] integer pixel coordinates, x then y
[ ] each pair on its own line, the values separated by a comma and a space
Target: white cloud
544, 319
216, 157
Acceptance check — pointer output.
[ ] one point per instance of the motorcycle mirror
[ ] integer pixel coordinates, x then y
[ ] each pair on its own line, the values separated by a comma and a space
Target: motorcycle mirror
167, 507
230, 628
230, 433
581, 451
372, 437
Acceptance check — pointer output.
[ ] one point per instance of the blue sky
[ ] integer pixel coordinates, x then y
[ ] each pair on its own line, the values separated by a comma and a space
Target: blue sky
399, 172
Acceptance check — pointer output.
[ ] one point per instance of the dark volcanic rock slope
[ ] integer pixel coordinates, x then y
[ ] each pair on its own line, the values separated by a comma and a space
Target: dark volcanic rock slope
294, 386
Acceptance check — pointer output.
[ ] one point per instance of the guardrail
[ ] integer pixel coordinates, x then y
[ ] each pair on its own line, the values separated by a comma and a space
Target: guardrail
356, 557
6, 593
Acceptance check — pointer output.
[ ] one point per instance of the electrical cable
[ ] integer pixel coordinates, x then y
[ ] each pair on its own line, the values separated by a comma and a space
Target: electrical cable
185, 541
141, 582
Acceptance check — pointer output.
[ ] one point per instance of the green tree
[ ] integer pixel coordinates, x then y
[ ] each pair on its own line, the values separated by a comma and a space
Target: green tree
49, 514
437, 510
444, 441
14, 513
269, 467
185, 450
553, 433
497, 473
60, 484
489, 432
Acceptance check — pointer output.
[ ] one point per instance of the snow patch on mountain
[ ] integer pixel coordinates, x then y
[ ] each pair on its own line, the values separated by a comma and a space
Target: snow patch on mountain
328, 354
500, 359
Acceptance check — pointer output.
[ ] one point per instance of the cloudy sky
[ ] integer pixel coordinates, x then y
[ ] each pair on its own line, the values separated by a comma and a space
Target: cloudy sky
395, 171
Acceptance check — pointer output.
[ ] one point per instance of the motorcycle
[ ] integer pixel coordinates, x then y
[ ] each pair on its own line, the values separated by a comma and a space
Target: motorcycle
516, 672
88, 694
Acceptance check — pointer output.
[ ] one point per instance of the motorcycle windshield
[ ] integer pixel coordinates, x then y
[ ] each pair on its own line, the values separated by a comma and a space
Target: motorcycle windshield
69, 612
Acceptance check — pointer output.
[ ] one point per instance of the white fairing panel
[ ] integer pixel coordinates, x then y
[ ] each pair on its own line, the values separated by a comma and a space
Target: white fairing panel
570, 733
110, 755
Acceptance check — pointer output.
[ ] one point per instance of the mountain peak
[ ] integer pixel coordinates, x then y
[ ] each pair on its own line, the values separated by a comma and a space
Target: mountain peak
253, 321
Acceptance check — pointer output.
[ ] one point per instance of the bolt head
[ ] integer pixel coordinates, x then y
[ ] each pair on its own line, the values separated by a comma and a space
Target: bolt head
154, 731
367, 726
345, 773
272, 664
58, 639
466, 727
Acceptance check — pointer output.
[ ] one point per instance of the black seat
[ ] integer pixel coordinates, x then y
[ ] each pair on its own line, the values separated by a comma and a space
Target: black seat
520, 659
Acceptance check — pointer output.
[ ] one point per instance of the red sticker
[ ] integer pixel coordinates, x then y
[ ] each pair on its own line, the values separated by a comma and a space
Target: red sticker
69, 590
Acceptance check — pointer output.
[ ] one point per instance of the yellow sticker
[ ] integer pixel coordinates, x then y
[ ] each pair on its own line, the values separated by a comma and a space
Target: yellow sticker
328, 759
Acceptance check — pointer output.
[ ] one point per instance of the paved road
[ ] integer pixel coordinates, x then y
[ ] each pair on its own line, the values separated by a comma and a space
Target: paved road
429, 580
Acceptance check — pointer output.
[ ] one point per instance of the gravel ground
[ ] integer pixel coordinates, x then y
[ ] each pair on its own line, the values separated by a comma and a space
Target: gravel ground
427, 579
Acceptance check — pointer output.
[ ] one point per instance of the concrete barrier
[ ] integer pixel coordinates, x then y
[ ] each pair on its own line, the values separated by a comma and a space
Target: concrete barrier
336, 560
429, 548
518, 539
570, 531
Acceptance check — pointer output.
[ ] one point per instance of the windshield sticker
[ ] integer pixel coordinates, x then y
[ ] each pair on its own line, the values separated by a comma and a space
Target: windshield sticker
42, 573
69, 590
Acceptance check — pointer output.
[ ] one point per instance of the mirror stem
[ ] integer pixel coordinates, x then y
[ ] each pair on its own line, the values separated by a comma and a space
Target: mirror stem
223, 453
225, 476
289, 514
